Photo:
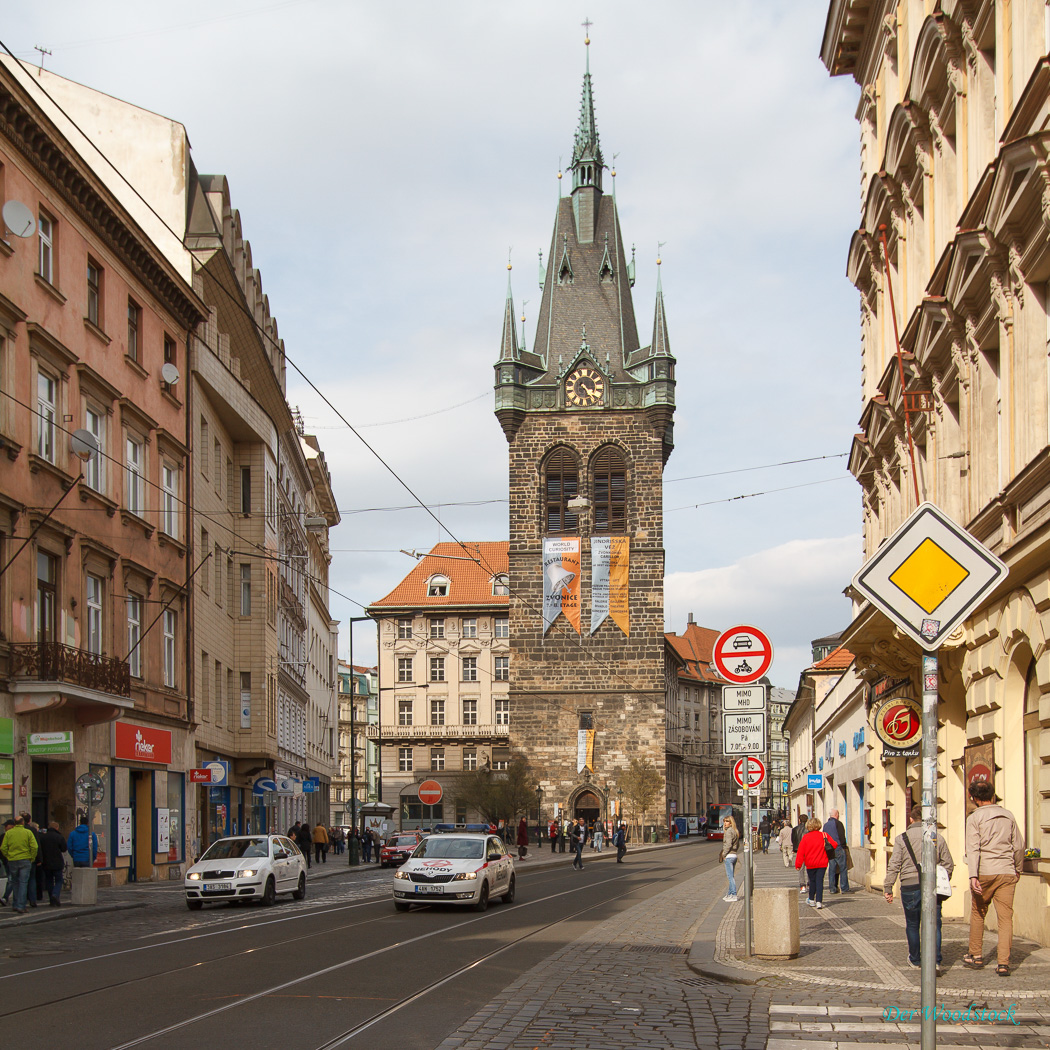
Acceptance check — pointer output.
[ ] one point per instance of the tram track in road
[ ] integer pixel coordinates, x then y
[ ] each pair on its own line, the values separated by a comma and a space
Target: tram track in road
344, 1037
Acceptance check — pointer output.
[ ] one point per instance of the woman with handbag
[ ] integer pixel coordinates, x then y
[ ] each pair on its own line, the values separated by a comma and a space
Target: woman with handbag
730, 844
904, 861
813, 852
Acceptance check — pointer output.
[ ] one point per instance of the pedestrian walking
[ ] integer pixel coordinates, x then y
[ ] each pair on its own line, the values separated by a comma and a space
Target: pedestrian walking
907, 848
304, 840
837, 878
994, 855
765, 830
364, 843
578, 836
19, 850
293, 832
796, 837
784, 842
598, 837
523, 838
320, 837
620, 842
10, 888
813, 853
82, 845
730, 845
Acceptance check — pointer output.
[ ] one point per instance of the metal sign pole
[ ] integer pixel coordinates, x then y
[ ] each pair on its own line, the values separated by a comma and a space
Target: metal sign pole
928, 922
746, 836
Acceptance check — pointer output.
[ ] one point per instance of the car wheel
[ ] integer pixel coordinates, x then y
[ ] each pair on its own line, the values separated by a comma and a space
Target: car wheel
194, 905
382, 863
401, 905
300, 892
483, 901
269, 896
508, 897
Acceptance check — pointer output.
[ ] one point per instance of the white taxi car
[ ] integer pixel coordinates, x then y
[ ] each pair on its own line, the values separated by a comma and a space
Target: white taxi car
246, 867
456, 869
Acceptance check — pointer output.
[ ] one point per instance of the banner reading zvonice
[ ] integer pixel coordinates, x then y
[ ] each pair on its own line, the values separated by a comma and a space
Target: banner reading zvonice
561, 581
610, 565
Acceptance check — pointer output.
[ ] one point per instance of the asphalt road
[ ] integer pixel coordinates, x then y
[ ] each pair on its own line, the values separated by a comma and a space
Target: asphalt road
340, 969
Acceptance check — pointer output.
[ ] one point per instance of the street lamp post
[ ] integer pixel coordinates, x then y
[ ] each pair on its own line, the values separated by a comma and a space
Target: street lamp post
539, 815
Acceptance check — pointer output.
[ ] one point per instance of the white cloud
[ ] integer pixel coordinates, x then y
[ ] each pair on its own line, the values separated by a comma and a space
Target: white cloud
792, 592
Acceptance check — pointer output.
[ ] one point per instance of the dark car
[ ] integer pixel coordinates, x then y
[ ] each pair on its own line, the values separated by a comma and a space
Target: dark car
398, 848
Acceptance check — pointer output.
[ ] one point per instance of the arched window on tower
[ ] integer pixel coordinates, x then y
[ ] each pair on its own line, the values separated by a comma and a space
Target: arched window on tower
561, 483
609, 481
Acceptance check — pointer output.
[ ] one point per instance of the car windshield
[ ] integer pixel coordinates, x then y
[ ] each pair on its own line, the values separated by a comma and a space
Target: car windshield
231, 849
445, 848
401, 843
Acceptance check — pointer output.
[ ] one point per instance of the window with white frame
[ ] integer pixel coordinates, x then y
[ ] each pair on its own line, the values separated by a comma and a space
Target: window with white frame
437, 759
470, 627
404, 668
437, 628
500, 585
470, 759
47, 409
246, 589
95, 468
501, 669
169, 483
437, 712
170, 624
404, 627
501, 627
437, 668
503, 712
404, 712
46, 262
134, 606
470, 668
470, 712
93, 600
437, 587
404, 759
133, 459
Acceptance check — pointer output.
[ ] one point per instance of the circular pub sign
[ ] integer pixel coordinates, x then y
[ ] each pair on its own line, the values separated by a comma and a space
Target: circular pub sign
430, 792
898, 723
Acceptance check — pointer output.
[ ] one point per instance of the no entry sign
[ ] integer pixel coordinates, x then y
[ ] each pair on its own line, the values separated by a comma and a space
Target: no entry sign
742, 654
755, 771
430, 792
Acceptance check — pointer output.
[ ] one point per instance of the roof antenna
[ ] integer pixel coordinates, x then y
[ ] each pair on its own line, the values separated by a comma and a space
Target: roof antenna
43, 51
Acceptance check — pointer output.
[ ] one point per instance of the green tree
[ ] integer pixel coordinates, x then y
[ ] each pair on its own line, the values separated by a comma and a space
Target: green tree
499, 794
642, 783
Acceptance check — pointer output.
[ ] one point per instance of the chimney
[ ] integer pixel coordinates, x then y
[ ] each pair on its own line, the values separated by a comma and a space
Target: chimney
691, 620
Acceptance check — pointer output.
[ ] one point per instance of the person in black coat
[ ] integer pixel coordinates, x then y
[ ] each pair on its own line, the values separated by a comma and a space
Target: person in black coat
304, 840
52, 846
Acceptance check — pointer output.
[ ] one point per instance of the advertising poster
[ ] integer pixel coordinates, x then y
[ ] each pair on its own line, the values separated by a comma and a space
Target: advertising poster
584, 750
610, 563
124, 832
163, 831
561, 581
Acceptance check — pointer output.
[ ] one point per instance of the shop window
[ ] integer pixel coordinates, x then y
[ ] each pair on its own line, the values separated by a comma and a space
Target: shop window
134, 635
176, 796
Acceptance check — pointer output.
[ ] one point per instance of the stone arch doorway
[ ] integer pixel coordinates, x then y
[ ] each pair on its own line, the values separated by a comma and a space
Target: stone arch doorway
587, 805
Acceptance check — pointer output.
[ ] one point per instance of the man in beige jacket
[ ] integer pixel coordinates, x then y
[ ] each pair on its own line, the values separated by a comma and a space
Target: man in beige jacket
994, 855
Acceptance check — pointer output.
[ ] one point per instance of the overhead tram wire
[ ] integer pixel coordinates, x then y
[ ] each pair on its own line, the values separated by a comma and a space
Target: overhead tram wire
242, 306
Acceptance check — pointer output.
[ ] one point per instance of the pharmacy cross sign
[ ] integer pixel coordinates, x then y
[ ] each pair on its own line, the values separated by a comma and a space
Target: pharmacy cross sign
929, 576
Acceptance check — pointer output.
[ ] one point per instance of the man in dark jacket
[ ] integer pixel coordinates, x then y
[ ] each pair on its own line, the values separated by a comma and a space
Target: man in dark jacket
577, 837
620, 842
53, 845
82, 845
835, 831
304, 840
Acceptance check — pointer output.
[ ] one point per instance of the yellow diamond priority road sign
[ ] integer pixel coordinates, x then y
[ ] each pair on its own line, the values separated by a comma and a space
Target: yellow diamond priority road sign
929, 576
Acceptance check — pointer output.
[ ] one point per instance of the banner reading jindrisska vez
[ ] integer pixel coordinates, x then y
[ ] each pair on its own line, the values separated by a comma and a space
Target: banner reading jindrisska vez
610, 568
561, 581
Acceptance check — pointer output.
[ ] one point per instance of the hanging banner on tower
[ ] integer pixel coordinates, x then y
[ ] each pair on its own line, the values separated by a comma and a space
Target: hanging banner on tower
610, 564
561, 581
584, 750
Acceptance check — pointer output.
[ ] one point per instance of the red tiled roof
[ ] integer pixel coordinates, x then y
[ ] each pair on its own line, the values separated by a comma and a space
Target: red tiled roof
470, 580
697, 648
837, 660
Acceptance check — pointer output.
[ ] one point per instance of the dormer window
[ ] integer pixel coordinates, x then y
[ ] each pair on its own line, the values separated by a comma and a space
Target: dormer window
500, 585
437, 587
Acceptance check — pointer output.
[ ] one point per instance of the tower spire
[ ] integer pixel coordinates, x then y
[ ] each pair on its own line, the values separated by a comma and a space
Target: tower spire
587, 160
509, 346
661, 344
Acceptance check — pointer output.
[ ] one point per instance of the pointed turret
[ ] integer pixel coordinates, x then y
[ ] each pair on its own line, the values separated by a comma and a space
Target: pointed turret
587, 161
509, 346
661, 345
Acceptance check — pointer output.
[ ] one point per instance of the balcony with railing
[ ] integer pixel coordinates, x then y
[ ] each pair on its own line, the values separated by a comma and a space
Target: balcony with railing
443, 732
45, 675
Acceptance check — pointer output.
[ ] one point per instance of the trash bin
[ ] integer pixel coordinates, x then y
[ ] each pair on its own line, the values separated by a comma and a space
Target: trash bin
85, 886
775, 922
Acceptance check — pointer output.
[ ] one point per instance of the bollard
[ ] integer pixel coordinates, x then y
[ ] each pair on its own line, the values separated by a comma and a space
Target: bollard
776, 929
352, 849
85, 886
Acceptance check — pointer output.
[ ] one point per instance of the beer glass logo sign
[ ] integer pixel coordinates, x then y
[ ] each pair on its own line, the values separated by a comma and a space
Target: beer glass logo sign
899, 722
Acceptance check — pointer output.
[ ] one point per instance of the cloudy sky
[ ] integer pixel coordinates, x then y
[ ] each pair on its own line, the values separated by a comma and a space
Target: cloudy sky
386, 156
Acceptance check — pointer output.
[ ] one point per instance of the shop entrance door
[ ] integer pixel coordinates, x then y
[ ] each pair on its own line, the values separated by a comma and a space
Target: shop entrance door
141, 826
41, 809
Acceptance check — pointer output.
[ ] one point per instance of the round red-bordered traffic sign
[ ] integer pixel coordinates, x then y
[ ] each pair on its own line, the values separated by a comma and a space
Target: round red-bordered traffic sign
430, 792
756, 771
743, 654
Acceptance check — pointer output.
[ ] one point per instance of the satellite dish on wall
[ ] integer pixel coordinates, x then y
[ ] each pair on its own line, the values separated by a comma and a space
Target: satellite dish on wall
19, 219
169, 373
84, 444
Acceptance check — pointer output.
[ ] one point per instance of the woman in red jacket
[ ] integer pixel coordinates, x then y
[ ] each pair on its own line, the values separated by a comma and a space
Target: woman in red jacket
813, 855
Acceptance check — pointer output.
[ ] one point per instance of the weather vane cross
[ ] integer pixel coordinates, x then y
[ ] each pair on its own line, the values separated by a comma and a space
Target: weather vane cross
587, 23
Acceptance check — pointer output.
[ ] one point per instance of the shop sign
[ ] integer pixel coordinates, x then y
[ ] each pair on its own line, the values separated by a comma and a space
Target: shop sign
49, 744
7, 736
124, 832
141, 743
978, 765
897, 721
7, 774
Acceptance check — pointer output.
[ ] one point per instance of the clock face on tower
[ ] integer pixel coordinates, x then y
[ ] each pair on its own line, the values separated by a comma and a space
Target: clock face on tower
584, 387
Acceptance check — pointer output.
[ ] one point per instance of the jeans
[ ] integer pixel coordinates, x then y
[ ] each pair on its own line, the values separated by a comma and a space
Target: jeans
578, 850
596, 842
765, 843
837, 878
816, 884
730, 866
19, 873
911, 899
53, 883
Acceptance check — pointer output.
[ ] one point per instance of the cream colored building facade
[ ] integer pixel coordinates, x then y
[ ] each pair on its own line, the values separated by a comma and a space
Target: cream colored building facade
954, 102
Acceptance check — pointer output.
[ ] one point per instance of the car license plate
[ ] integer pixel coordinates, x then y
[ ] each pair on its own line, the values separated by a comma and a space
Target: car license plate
217, 887
430, 889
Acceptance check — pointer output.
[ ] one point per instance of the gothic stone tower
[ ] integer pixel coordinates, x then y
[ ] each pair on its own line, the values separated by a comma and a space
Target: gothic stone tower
588, 417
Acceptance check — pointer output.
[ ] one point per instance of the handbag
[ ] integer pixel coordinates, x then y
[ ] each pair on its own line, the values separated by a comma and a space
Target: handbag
829, 847
849, 860
944, 886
